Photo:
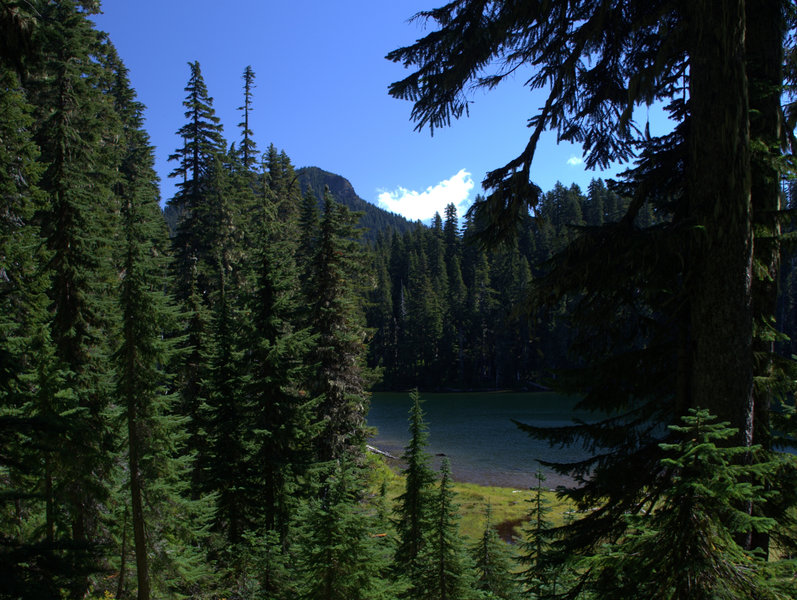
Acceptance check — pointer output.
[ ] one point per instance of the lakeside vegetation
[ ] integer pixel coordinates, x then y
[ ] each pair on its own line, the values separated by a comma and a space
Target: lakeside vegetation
183, 413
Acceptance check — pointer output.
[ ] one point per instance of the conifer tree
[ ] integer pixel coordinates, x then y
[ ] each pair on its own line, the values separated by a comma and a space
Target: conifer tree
338, 556
536, 552
27, 371
224, 453
443, 570
282, 427
380, 317
413, 508
281, 182
156, 470
685, 546
196, 254
308, 226
76, 127
424, 320
247, 149
493, 564
265, 567
203, 144
337, 321
224, 418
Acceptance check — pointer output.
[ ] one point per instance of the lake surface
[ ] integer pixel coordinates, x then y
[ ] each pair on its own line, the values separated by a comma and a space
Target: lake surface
475, 431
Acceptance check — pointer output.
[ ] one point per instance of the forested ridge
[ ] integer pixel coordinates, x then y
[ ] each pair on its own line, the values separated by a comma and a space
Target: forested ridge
183, 405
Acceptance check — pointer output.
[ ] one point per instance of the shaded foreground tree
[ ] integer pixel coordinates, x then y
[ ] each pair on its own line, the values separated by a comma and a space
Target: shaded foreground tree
663, 311
684, 548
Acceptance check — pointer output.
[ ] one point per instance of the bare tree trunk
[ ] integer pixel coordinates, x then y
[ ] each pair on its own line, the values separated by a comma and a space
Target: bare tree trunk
139, 533
718, 187
764, 45
122, 559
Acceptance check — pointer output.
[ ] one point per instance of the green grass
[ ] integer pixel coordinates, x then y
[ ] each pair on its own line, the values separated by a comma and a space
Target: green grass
509, 506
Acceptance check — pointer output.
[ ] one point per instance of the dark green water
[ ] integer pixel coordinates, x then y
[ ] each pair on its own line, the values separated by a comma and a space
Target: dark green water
476, 432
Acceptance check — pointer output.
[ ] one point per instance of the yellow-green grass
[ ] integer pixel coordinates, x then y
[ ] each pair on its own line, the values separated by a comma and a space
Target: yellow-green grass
508, 506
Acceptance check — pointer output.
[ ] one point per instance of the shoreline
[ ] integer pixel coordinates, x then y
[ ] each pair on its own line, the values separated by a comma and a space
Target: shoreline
511, 480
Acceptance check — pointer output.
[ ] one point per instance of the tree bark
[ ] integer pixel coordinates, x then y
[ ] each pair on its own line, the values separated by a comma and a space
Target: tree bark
139, 533
764, 49
718, 188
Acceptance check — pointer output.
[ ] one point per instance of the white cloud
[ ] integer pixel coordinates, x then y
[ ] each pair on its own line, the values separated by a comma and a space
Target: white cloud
421, 206
574, 161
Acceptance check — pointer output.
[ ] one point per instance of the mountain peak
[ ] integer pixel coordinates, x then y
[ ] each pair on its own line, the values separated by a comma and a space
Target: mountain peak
374, 219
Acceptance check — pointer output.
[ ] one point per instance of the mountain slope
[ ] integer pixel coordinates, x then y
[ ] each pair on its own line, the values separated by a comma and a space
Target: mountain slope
374, 218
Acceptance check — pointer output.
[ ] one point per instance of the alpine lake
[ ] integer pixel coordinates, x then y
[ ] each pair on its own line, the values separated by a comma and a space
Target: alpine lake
476, 431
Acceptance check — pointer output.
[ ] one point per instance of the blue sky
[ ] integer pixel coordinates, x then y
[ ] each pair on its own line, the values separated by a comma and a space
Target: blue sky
321, 95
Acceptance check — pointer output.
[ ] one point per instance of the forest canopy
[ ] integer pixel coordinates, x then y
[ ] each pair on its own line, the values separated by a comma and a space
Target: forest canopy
183, 406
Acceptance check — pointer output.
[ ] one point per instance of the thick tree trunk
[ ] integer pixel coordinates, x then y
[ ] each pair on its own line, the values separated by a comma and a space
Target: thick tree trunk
718, 186
764, 47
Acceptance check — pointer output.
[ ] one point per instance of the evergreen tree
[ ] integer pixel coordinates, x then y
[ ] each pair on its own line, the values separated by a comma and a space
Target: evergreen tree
536, 547
443, 570
684, 546
764, 60
336, 319
76, 129
379, 314
493, 566
264, 567
197, 254
224, 453
156, 470
281, 182
28, 374
338, 556
308, 227
413, 508
248, 149
424, 321
202, 146
282, 427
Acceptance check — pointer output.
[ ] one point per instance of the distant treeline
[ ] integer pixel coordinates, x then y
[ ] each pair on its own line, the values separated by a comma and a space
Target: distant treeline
448, 314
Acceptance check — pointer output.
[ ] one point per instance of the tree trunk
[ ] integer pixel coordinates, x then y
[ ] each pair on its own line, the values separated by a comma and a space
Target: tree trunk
764, 46
120, 586
718, 187
139, 533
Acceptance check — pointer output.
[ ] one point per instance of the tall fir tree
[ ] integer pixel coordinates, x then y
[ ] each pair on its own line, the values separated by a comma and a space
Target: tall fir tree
203, 145
663, 320
248, 148
157, 471
282, 422
337, 321
76, 131
28, 375
444, 571
412, 509
195, 257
